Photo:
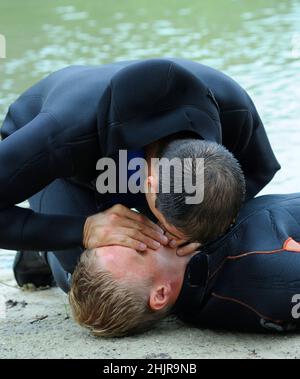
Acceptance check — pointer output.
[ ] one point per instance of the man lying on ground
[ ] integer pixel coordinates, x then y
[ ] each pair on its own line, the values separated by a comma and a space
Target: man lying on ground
247, 280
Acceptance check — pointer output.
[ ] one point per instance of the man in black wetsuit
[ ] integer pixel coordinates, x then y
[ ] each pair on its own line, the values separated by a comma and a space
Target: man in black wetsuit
249, 279
246, 280
56, 131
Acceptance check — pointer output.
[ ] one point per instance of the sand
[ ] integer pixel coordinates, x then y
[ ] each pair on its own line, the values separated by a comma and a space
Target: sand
38, 325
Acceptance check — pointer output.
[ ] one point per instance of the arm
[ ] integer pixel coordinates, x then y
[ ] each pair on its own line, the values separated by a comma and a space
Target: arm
30, 159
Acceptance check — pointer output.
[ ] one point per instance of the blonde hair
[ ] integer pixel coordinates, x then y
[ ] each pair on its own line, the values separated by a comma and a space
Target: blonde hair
110, 307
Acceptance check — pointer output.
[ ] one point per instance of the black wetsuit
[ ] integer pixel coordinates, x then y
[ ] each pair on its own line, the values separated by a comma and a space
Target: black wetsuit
248, 280
55, 132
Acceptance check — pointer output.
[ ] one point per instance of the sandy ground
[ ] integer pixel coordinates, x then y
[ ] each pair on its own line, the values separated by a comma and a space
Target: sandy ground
38, 325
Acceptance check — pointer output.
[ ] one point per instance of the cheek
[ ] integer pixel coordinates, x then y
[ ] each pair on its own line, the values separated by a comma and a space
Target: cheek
138, 266
159, 216
151, 201
142, 266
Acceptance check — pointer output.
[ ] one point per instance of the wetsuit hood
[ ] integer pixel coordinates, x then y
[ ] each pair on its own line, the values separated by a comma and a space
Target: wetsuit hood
152, 99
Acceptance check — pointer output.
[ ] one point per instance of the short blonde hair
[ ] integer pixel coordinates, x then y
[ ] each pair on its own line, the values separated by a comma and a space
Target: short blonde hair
110, 307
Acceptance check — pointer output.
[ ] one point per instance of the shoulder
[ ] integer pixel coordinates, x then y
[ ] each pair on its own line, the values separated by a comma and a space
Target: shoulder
228, 92
264, 224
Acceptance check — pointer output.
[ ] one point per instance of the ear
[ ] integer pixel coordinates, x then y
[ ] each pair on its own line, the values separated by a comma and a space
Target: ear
160, 297
152, 184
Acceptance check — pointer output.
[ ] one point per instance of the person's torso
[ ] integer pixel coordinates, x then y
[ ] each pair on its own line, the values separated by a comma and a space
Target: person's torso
73, 95
246, 279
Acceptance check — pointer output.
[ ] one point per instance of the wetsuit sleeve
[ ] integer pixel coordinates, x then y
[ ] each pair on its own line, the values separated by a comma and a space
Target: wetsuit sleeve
30, 159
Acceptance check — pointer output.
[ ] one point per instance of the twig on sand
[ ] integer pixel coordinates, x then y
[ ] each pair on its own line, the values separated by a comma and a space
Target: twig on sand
40, 318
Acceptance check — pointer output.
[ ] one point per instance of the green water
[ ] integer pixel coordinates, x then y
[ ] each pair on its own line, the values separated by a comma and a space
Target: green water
257, 42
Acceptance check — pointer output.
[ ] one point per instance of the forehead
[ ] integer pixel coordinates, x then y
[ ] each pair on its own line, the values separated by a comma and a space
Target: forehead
117, 259
114, 253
